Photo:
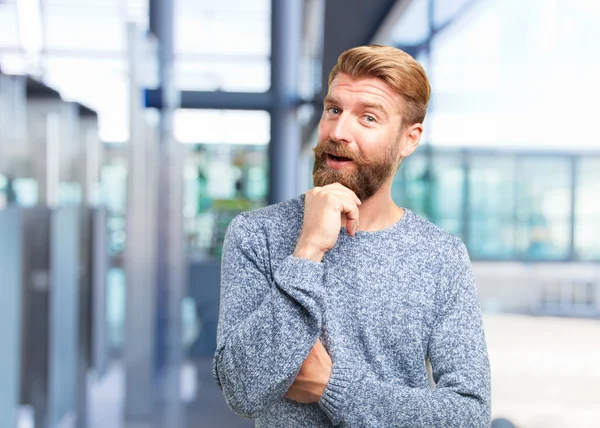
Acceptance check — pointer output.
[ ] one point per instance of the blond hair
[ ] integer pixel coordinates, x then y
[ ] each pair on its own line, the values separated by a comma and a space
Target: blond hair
396, 68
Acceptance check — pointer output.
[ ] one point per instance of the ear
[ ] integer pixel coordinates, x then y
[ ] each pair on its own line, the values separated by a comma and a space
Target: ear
410, 139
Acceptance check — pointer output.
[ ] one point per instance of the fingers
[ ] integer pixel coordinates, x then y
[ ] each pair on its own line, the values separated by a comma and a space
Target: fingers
337, 187
347, 203
348, 209
347, 191
352, 221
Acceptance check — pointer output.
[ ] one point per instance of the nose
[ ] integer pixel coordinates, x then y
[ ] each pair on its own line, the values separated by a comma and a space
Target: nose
341, 131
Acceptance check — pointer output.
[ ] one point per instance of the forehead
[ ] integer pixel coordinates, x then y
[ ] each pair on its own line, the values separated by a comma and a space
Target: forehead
364, 90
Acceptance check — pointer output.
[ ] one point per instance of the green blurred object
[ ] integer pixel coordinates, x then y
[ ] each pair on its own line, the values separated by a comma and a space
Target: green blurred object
204, 202
225, 211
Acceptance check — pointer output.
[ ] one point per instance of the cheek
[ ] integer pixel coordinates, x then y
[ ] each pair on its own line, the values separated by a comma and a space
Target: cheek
322, 131
373, 143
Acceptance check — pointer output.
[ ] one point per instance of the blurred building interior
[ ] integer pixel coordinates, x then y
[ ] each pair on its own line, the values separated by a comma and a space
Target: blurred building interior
133, 131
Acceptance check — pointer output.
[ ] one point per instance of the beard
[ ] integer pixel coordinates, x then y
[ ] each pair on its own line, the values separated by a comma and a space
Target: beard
369, 176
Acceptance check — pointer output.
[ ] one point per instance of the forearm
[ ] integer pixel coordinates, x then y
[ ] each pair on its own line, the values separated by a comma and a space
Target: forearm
257, 361
460, 368
366, 400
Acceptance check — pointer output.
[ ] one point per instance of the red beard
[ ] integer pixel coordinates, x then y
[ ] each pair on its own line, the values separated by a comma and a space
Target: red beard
368, 177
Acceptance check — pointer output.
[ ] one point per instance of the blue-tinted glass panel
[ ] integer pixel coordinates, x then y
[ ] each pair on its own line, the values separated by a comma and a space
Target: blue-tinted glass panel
447, 188
3, 192
491, 207
431, 185
413, 193
587, 209
543, 207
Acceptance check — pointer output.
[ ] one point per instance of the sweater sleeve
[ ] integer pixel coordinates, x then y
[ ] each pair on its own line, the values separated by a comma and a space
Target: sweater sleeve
267, 326
460, 367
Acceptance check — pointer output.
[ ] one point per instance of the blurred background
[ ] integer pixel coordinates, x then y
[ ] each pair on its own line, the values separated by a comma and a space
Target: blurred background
133, 131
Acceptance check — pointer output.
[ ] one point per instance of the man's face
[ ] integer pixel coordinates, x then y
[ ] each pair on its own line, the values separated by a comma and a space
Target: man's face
359, 135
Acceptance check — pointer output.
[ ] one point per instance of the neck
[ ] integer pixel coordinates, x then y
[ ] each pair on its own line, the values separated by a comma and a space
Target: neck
379, 211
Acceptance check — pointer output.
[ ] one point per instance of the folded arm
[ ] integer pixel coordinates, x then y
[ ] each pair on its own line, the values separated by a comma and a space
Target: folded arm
267, 326
460, 368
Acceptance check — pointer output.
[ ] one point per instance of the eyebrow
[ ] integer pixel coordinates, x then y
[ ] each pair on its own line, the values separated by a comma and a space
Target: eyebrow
330, 100
367, 105
376, 106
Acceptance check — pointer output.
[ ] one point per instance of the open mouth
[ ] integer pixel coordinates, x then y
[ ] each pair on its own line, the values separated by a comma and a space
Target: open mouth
338, 158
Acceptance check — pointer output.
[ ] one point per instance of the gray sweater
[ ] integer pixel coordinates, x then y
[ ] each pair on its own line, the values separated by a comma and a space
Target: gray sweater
381, 302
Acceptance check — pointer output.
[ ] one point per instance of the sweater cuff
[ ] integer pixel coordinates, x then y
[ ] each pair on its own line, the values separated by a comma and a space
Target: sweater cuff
299, 273
334, 398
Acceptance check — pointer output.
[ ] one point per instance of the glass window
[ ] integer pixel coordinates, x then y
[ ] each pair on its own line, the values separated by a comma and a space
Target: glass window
26, 191
431, 185
491, 207
223, 46
13, 63
413, 26
225, 73
91, 26
224, 27
114, 197
543, 208
226, 171
447, 192
587, 209
9, 36
3, 192
411, 185
500, 88
221, 180
222, 126
445, 11
72, 75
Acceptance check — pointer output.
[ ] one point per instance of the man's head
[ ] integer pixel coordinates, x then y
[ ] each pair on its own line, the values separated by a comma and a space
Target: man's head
372, 118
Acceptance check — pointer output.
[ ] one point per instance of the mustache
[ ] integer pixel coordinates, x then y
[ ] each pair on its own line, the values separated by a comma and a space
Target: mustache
339, 150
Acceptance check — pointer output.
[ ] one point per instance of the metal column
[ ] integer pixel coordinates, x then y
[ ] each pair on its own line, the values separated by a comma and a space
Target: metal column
11, 254
170, 262
286, 50
140, 303
64, 310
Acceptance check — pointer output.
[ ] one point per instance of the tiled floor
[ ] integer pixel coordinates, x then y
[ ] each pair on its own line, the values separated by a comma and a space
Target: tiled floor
545, 371
207, 410
545, 374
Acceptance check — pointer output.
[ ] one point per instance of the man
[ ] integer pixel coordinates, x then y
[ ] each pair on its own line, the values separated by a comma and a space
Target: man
332, 302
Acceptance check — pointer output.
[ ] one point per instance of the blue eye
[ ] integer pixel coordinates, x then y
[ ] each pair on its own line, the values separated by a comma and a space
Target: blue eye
333, 110
370, 119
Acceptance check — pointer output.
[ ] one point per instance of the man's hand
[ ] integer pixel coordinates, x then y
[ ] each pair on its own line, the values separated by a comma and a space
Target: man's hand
313, 377
326, 209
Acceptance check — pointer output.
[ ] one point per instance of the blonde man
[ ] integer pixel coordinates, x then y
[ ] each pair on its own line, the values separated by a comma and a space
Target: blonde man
332, 302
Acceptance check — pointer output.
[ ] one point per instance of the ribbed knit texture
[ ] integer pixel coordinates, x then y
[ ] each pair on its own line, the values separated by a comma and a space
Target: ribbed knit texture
381, 302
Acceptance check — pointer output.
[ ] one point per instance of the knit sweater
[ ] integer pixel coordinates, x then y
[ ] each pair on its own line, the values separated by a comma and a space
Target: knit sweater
382, 303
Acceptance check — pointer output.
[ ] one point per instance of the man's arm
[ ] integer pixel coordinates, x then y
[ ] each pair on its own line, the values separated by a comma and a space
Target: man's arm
459, 360
266, 328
